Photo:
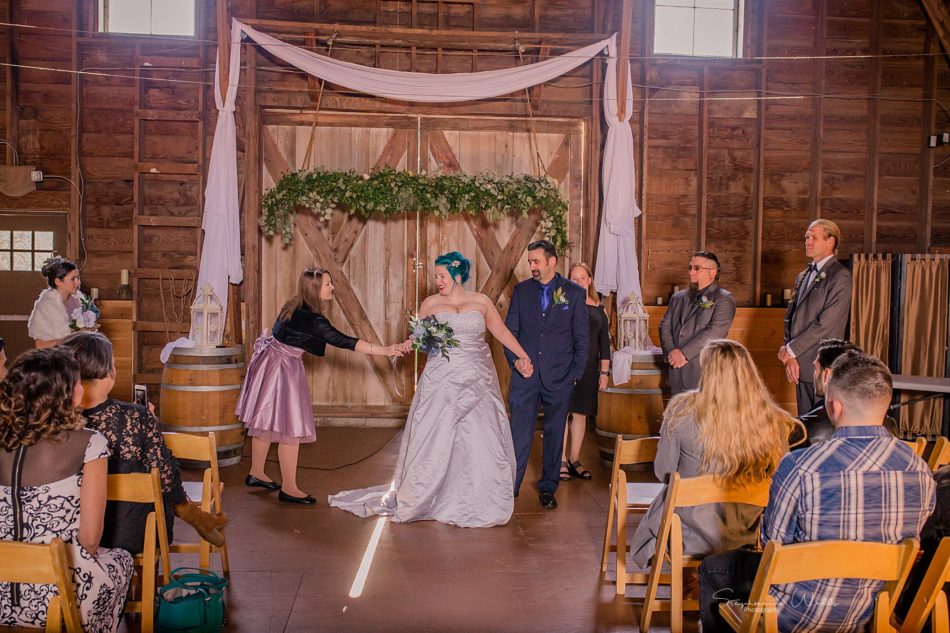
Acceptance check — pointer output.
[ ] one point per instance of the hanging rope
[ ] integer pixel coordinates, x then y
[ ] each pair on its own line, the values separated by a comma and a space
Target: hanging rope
532, 129
308, 157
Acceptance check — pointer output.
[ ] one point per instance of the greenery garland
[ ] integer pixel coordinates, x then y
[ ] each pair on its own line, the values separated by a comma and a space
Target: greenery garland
388, 192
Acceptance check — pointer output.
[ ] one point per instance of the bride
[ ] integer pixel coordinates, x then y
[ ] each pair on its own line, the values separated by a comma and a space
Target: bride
456, 463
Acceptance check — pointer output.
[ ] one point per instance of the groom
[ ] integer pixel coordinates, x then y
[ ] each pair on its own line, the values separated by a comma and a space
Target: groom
548, 316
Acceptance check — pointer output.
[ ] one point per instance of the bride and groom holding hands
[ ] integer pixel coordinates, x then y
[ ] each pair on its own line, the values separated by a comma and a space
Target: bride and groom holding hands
461, 460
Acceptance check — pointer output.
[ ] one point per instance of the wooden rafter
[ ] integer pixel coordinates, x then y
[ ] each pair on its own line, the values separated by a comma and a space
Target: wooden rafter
939, 14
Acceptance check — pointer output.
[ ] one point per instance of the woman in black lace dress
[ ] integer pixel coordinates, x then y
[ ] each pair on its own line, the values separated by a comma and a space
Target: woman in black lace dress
584, 401
137, 447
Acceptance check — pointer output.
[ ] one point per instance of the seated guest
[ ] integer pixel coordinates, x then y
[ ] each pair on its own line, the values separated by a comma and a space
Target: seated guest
3, 361
730, 427
816, 421
137, 447
53, 485
861, 484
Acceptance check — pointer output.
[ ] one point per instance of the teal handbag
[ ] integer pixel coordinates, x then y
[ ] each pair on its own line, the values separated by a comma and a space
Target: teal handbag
193, 602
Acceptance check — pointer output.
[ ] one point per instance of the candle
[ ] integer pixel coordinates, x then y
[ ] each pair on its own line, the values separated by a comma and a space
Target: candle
787, 295
659, 301
94, 293
768, 300
676, 289
125, 277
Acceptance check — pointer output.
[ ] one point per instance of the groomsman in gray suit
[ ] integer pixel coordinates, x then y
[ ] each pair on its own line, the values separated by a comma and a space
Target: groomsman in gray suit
819, 309
696, 315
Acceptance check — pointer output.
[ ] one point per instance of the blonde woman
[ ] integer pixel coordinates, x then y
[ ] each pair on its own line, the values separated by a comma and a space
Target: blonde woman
730, 427
584, 400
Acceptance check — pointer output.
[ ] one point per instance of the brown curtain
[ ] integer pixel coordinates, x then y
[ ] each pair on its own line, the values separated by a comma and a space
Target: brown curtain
923, 351
871, 303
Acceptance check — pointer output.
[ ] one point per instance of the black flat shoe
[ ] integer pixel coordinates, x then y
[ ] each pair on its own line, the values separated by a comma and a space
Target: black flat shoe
577, 470
308, 500
548, 501
253, 482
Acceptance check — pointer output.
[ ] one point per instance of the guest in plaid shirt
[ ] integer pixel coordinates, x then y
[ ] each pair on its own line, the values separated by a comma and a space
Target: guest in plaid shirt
861, 484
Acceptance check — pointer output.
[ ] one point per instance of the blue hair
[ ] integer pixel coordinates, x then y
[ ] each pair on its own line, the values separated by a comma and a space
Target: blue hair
456, 264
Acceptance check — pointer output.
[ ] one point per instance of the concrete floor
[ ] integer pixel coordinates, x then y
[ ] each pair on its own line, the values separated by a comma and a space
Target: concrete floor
293, 566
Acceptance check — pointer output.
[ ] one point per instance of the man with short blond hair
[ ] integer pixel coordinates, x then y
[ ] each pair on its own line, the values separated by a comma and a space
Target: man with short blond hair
819, 309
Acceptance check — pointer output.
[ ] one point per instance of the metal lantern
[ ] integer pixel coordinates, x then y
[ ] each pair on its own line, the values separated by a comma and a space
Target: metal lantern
633, 325
207, 320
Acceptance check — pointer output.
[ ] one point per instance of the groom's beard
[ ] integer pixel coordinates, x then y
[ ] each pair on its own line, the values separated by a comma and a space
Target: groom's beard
693, 286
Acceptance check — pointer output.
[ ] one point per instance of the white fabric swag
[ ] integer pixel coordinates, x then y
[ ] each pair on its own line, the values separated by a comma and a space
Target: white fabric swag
220, 257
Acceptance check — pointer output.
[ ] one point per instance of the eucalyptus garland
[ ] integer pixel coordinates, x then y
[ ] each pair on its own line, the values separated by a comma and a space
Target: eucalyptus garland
388, 192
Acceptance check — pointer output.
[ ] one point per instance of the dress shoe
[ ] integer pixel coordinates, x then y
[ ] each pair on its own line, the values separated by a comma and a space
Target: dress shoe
308, 500
548, 501
253, 482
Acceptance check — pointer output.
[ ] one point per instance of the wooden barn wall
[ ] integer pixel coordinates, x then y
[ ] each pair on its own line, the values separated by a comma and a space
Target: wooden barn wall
717, 168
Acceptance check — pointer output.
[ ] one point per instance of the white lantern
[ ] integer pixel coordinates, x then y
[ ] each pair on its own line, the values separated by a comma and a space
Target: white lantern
207, 322
633, 325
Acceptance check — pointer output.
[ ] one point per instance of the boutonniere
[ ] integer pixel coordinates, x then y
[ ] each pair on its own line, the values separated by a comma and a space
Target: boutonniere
559, 298
705, 303
820, 277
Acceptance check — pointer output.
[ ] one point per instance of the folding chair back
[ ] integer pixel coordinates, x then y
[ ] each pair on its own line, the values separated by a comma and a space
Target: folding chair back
37, 564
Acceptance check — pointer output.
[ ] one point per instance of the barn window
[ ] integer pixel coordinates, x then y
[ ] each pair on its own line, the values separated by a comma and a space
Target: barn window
23, 251
147, 17
702, 28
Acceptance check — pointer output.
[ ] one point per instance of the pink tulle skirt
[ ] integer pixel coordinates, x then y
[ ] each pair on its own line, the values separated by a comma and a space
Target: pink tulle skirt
275, 399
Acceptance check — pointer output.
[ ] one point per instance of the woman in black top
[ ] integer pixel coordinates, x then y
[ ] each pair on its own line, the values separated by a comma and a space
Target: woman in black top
275, 399
584, 400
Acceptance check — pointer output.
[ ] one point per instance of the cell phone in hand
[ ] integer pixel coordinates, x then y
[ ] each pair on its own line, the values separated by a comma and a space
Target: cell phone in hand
140, 395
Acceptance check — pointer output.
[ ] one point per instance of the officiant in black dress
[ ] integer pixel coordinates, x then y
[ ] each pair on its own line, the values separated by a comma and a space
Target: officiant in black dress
584, 400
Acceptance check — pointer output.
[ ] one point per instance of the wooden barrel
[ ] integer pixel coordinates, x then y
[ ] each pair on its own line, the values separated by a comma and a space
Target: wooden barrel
200, 388
635, 408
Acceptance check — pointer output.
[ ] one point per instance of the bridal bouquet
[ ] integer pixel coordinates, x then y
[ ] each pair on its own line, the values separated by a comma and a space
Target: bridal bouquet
84, 315
429, 335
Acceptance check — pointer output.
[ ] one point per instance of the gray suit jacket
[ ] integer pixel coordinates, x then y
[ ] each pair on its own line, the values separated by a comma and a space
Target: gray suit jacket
689, 327
822, 313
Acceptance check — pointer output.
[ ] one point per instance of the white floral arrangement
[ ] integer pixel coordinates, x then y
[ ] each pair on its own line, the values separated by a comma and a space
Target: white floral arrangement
85, 315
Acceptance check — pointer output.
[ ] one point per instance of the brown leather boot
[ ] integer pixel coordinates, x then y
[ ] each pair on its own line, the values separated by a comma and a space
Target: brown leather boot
208, 526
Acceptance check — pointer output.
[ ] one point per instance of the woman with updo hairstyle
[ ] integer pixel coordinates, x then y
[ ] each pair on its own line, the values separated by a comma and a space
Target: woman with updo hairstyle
53, 485
456, 463
49, 322
275, 399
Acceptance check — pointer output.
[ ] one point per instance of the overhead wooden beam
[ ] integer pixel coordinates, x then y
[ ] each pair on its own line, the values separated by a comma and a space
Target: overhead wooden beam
427, 38
938, 11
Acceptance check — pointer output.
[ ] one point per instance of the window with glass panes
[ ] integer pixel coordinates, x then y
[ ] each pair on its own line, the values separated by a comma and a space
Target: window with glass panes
147, 17
25, 251
701, 28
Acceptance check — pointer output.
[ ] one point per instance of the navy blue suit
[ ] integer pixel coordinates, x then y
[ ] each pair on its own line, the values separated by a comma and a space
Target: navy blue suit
557, 343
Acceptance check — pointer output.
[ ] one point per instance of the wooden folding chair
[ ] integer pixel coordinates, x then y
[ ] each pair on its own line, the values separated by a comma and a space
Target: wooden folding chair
626, 453
145, 488
817, 560
931, 601
207, 492
919, 445
685, 493
940, 456
36, 564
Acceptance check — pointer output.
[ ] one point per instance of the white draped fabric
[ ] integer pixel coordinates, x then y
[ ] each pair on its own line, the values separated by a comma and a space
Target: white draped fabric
220, 257
617, 269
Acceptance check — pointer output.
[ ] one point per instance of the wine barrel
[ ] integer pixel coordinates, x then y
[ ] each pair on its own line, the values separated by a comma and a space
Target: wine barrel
635, 408
200, 388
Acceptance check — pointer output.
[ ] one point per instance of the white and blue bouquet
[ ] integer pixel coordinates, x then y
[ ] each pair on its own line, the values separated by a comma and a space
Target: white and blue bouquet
429, 335
83, 313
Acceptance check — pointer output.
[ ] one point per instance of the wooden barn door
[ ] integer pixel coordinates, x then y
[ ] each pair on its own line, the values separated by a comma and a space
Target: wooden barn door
368, 260
376, 264
497, 250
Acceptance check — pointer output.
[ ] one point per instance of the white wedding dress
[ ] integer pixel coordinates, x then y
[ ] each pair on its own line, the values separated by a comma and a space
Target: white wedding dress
456, 462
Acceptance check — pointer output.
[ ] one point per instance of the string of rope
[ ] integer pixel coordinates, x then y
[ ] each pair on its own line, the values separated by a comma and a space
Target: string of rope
308, 157
532, 129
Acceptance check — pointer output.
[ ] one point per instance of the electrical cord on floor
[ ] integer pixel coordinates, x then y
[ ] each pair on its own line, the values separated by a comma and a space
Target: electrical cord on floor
360, 460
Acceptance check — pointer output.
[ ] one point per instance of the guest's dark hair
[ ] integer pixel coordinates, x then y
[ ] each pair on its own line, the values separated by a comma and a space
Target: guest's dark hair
857, 378
308, 293
93, 352
711, 256
830, 349
550, 250
36, 398
457, 265
2, 343
56, 267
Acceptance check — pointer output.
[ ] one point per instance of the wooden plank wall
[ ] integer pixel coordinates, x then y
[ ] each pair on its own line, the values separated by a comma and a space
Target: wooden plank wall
840, 138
